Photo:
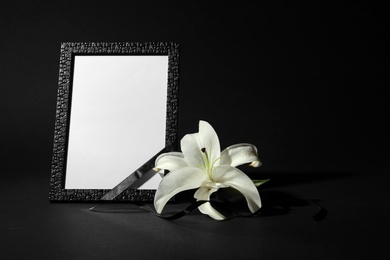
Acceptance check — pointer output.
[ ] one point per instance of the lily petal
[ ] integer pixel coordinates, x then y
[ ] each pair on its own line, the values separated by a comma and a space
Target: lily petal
176, 181
239, 154
238, 180
170, 161
204, 193
209, 140
191, 149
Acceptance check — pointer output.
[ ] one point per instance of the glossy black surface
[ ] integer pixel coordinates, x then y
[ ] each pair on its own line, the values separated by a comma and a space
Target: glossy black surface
357, 220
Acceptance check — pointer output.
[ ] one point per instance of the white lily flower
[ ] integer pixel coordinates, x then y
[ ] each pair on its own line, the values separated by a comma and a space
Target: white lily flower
202, 165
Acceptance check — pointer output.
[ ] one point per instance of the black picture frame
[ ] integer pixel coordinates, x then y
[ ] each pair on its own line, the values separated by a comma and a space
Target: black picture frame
69, 50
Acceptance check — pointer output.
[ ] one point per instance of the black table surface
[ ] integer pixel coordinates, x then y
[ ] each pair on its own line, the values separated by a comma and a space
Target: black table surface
355, 228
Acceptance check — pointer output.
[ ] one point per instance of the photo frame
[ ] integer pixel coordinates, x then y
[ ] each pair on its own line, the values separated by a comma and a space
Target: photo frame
117, 110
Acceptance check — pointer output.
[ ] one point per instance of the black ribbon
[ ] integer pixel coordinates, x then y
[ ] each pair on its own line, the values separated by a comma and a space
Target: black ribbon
223, 207
146, 208
133, 177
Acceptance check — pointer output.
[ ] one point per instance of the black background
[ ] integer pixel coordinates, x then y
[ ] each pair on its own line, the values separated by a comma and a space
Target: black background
306, 82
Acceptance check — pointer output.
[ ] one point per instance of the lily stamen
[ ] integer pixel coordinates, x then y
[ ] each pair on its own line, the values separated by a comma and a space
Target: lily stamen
206, 161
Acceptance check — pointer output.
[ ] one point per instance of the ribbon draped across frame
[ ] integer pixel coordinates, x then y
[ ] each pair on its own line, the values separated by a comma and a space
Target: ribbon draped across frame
224, 207
134, 177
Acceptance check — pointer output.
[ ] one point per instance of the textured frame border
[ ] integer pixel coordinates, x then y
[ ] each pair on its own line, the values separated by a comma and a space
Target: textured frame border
61, 130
